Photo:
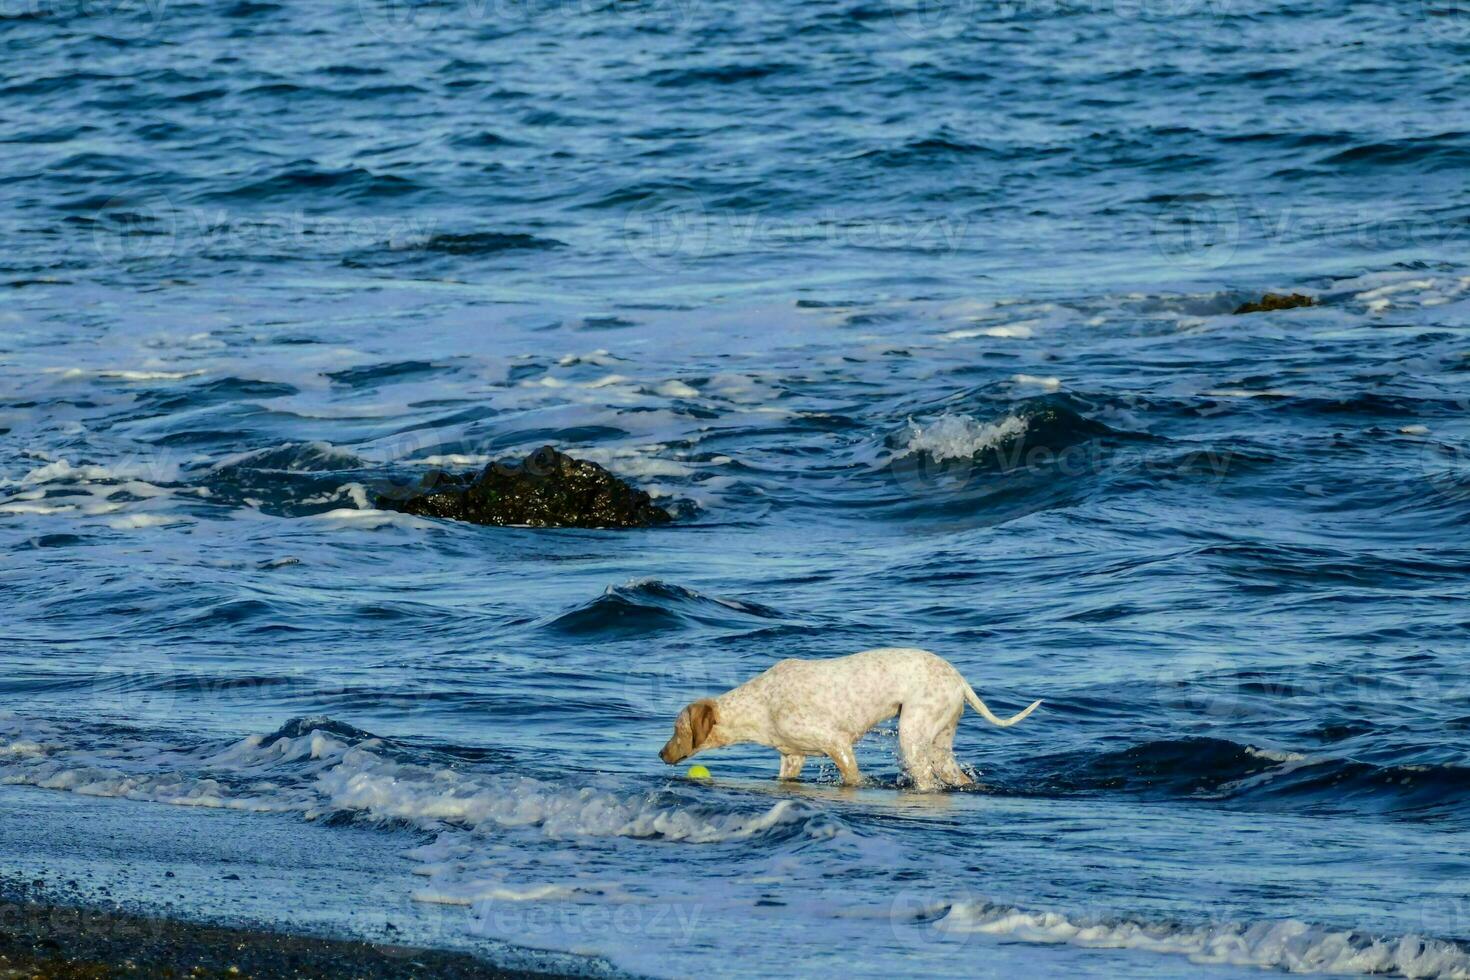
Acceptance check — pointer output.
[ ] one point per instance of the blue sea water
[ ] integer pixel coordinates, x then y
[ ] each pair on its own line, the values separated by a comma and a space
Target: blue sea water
918, 314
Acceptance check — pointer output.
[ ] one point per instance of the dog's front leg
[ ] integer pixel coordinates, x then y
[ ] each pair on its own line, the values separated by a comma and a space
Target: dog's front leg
791, 766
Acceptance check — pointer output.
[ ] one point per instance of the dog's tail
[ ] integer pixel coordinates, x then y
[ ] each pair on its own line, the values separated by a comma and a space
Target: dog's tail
988, 715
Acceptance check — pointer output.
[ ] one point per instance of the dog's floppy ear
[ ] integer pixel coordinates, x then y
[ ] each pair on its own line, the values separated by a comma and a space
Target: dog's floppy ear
702, 718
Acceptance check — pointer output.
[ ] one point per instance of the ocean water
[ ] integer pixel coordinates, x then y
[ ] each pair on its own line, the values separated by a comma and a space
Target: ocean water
917, 313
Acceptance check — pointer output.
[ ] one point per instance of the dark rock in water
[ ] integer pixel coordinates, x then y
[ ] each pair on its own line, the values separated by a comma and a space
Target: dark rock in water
546, 489
1276, 301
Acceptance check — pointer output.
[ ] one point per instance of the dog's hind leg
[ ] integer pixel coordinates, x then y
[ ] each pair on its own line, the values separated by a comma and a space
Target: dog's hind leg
791, 766
946, 767
916, 737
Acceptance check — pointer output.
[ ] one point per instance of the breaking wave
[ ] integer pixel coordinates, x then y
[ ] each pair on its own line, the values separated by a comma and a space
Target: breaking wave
326, 770
1288, 945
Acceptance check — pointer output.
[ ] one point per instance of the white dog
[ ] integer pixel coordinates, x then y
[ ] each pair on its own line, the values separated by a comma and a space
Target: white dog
821, 707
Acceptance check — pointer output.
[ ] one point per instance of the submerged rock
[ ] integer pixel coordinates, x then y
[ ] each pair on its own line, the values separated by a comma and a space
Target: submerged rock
546, 489
1275, 301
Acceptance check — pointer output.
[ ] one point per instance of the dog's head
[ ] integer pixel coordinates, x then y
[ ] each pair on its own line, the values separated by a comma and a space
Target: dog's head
691, 731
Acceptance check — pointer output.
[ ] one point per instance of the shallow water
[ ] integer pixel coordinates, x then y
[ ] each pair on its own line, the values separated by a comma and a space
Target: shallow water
919, 318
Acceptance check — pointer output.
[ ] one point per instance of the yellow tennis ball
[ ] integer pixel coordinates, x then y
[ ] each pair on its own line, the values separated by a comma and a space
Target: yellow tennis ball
698, 772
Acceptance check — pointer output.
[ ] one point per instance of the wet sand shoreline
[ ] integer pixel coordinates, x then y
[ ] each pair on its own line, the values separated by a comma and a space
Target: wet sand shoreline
41, 935
106, 887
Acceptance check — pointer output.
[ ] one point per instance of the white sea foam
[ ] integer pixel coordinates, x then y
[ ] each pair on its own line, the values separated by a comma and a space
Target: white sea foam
98, 483
62, 471
317, 774
357, 493
133, 521
1289, 945
1248, 393
1285, 763
599, 357
1019, 330
1410, 285
1273, 755
677, 389
1430, 292
496, 893
30, 507
451, 459
386, 790
123, 374
636, 462
369, 518
960, 436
